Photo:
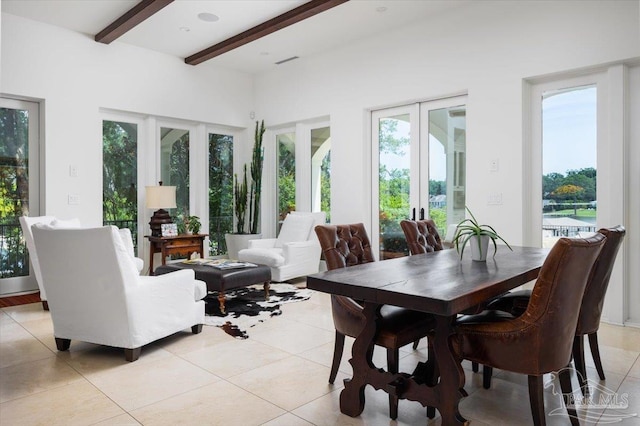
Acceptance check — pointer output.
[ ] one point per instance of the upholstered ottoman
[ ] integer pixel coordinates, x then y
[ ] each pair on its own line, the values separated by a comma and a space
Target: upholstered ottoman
221, 280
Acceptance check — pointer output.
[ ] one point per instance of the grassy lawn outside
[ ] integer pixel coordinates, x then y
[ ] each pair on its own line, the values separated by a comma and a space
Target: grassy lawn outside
569, 212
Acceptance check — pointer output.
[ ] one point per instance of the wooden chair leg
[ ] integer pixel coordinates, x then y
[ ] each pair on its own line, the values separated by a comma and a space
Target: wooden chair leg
337, 356
392, 366
132, 354
565, 384
474, 366
196, 329
536, 399
578, 361
595, 352
487, 372
62, 344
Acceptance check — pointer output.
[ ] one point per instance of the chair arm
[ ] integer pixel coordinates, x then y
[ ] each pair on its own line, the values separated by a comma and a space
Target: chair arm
303, 251
263, 243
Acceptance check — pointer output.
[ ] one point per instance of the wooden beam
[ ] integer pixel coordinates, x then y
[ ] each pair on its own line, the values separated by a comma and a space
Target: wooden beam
133, 17
291, 17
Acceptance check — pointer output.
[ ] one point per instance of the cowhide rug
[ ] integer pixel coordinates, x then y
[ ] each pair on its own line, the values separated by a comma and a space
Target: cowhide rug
246, 307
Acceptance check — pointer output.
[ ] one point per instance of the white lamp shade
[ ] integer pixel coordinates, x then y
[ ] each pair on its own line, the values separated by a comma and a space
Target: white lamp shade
161, 197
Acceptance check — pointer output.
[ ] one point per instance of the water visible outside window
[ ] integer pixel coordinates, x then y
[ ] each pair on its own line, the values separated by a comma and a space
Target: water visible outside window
569, 155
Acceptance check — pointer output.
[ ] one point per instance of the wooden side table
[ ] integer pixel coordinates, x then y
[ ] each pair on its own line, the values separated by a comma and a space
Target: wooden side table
180, 244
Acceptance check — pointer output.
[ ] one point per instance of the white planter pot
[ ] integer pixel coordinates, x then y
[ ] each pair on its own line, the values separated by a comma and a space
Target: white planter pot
479, 252
237, 242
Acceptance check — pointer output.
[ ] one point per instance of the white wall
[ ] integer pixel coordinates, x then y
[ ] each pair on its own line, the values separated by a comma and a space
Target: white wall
485, 50
75, 77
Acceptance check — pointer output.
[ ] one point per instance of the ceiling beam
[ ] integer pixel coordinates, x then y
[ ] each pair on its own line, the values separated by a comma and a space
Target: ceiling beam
133, 17
291, 17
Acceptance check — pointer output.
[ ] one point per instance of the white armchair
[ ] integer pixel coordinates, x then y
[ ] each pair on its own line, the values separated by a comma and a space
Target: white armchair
296, 251
26, 222
96, 295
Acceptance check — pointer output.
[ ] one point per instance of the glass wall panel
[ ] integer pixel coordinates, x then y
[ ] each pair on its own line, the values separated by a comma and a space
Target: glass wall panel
286, 143
321, 171
174, 166
569, 151
120, 175
220, 191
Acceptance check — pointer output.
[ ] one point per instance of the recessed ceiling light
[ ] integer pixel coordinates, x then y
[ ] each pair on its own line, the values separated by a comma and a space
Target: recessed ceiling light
264, 53
208, 17
185, 29
381, 9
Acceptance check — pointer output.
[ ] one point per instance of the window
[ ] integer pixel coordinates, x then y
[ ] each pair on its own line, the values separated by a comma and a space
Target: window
321, 171
19, 190
286, 161
174, 165
220, 191
120, 175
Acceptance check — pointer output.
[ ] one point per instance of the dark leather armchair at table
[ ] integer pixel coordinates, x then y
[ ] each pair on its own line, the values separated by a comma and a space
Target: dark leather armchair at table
422, 236
540, 340
516, 303
348, 245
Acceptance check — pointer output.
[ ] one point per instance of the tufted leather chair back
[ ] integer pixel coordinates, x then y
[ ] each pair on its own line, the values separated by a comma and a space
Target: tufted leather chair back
344, 245
422, 236
540, 340
591, 310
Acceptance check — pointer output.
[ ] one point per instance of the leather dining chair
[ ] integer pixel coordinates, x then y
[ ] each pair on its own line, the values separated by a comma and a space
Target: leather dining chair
540, 340
347, 245
422, 236
516, 304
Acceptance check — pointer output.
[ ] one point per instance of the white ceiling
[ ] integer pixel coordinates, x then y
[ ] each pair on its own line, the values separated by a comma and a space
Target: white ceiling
177, 30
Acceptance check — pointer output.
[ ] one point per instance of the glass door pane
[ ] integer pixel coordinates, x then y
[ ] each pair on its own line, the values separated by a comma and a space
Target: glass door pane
447, 165
220, 191
174, 166
286, 161
120, 176
321, 171
569, 151
394, 192
19, 192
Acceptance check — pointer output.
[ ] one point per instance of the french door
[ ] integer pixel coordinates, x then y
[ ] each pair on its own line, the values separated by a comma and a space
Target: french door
419, 156
19, 189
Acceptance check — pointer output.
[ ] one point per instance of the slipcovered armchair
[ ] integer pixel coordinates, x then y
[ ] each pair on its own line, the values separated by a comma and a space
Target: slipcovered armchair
296, 251
26, 222
96, 295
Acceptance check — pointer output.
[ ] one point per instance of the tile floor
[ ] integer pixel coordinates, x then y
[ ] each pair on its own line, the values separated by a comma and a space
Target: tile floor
276, 377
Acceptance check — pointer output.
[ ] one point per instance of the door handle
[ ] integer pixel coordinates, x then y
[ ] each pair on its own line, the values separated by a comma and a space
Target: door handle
413, 214
422, 213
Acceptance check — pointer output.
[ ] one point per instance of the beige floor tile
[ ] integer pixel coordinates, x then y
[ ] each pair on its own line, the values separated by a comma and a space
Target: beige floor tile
185, 341
19, 346
288, 383
287, 419
619, 337
74, 404
635, 370
5, 318
625, 404
291, 336
309, 313
36, 376
216, 404
138, 384
234, 357
29, 312
614, 359
121, 420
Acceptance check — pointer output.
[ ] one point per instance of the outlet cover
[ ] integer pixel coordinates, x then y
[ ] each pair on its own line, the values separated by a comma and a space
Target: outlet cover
73, 199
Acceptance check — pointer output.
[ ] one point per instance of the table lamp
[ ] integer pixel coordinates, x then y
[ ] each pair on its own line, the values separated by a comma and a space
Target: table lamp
160, 197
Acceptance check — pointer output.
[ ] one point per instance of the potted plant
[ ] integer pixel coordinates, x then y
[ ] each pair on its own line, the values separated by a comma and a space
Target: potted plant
248, 195
469, 230
193, 224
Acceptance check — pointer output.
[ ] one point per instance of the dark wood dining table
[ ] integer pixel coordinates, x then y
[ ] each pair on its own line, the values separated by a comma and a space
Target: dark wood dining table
439, 283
